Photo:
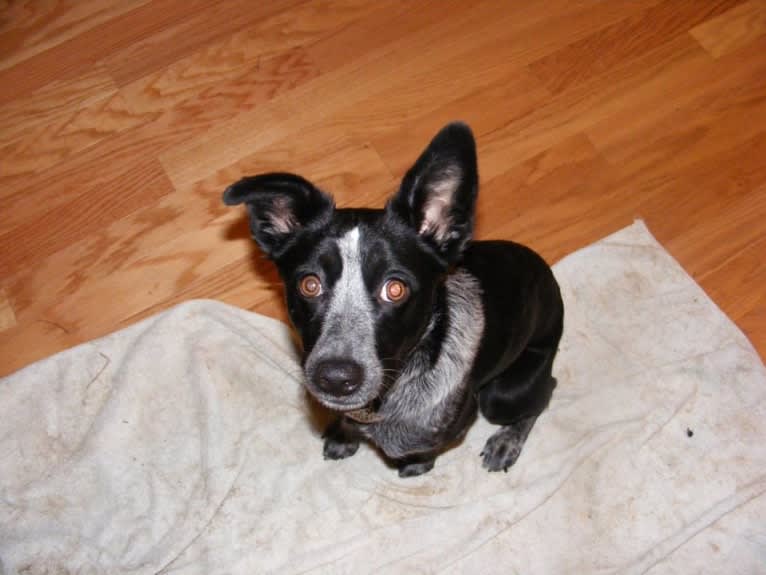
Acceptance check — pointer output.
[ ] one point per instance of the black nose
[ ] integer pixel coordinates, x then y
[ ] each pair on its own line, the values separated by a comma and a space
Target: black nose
339, 376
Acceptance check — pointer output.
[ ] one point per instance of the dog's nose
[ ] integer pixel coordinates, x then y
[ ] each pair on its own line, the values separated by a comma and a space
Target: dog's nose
339, 376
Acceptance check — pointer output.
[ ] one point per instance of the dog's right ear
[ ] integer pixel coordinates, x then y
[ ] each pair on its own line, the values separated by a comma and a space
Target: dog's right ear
280, 206
437, 196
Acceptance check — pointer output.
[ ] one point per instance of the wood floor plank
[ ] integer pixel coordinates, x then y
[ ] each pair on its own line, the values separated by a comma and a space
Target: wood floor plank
291, 113
512, 95
711, 201
85, 209
650, 80
570, 178
91, 170
521, 21
733, 29
232, 32
53, 101
255, 67
618, 45
499, 55
712, 249
34, 27
374, 75
737, 286
7, 315
68, 59
24, 343
715, 106
57, 141
382, 28
169, 117
122, 122
593, 197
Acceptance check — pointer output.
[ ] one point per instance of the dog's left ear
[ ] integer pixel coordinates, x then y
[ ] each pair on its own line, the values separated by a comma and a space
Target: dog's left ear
281, 206
437, 196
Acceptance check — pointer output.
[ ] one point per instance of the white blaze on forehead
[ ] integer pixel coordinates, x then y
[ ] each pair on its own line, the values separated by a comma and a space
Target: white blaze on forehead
350, 291
348, 329
350, 299
350, 253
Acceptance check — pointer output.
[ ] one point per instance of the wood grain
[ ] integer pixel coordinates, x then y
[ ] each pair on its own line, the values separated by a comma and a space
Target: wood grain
122, 122
51, 102
733, 29
56, 141
391, 69
30, 28
7, 316
625, 40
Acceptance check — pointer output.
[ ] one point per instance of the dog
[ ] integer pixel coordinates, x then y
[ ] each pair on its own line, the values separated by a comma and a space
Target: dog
408, 327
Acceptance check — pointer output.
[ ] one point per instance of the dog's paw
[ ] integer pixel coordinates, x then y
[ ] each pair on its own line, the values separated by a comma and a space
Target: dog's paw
504, 447
339, 441
415, 468
334, 449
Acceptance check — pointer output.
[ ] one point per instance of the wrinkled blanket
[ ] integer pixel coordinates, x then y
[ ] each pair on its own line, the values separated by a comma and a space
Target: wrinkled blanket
185, 444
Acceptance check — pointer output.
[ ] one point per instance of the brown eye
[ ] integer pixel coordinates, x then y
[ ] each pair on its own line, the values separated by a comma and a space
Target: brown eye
394, 291
310, 286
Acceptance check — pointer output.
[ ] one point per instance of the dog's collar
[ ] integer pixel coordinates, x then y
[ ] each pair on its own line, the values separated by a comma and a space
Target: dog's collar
368, 414
364, 415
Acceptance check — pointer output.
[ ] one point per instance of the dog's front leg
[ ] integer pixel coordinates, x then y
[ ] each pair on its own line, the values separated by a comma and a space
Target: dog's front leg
341, 439
415, 465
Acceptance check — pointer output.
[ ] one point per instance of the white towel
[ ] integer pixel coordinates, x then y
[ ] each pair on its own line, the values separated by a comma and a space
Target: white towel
185, 444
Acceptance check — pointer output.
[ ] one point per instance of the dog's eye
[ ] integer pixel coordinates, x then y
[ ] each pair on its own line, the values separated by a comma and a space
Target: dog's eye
394, 291
310, 286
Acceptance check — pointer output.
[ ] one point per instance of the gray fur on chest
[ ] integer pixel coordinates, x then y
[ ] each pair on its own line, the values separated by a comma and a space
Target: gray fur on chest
427, 398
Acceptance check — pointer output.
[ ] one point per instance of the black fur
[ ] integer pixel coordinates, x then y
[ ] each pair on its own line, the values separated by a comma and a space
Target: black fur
478, 329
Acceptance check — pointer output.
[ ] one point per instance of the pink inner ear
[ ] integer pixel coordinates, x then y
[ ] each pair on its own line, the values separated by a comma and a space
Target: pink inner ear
436, 221
441, 195
281, 216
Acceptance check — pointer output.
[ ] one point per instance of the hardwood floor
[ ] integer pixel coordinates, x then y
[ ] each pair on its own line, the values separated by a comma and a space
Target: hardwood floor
121, 122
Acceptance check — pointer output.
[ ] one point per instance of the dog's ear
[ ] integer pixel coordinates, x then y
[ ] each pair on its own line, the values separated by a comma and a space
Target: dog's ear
437, 196
280, 206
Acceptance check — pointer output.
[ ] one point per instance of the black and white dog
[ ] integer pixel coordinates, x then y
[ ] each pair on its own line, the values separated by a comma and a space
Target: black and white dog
407, 325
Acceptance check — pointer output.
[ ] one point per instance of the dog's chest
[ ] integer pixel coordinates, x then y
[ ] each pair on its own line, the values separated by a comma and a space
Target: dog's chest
421, 411
402, 434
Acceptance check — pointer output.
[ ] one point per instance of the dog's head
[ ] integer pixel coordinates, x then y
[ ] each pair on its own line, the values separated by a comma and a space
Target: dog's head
361, 285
